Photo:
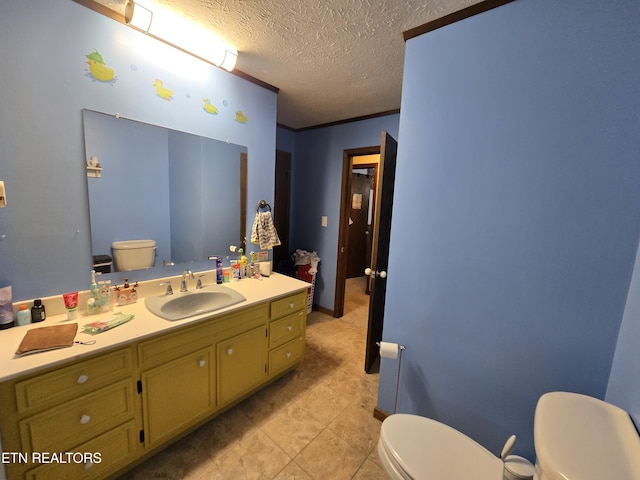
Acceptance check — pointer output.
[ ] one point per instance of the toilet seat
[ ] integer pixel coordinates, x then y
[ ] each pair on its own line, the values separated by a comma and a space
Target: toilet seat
415, 448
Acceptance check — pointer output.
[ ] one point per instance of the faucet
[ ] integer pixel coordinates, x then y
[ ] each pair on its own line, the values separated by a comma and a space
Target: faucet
169, 289
199, 284
185, 274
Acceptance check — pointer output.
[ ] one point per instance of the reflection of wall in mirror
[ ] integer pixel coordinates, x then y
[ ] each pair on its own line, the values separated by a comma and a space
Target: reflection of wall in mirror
179, 189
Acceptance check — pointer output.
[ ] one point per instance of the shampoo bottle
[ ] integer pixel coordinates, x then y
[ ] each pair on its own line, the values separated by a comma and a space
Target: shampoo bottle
23, 316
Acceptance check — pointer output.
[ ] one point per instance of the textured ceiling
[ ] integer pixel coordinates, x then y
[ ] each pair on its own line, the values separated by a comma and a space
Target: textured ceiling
331, 60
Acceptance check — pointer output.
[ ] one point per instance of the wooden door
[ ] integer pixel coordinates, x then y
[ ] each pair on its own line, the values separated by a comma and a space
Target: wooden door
281, 207
380, 249
358, 247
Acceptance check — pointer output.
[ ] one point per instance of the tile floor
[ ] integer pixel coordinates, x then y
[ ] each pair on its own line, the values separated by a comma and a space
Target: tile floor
315, 423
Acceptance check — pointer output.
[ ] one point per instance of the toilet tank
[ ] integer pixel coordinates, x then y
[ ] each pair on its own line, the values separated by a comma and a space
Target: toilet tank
578, 437
133, 254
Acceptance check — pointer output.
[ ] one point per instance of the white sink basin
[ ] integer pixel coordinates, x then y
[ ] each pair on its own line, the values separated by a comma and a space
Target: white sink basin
194, 302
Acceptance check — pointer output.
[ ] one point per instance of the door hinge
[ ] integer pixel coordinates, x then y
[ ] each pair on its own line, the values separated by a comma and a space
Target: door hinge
266, 332
141, 436
265, 368
139, 386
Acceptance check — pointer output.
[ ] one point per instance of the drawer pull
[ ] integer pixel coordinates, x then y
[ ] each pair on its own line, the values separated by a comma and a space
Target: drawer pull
85, 419
229, 351
82, 379
290, 328
202, 363
291, 305
288, 354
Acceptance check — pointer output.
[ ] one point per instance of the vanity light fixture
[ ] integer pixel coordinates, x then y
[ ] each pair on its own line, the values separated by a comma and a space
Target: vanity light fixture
181, 34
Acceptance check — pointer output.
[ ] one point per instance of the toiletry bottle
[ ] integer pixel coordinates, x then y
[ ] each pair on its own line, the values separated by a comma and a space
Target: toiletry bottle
6, 308
38, 313
218, 270
23, 317
95, 292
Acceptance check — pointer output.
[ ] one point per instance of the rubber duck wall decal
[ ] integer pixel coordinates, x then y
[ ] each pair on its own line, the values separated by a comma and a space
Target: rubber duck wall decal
162, 91
241, 117
206, 105
98, 68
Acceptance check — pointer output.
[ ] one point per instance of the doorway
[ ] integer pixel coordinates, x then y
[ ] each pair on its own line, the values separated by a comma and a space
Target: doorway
362, 209
281, 211
354, 242
380, 229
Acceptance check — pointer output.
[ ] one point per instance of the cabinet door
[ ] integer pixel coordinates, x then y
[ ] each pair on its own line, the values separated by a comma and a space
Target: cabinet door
177, 394
241, 363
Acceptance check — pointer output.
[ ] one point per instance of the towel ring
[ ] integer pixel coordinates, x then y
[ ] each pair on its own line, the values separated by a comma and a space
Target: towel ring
263, 204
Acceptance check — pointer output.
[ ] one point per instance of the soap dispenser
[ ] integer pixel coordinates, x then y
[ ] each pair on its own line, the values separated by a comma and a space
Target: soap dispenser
126, 294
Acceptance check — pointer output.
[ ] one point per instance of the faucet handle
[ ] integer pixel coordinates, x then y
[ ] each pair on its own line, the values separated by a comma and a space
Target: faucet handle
199, 284
169, 289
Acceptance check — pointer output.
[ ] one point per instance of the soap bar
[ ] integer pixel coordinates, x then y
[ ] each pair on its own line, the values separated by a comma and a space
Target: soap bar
112, 321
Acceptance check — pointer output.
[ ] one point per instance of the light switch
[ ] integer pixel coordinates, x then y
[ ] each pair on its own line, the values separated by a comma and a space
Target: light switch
324, 221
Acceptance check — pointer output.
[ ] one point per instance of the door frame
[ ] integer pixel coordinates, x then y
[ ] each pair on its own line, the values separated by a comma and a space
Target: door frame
343, 229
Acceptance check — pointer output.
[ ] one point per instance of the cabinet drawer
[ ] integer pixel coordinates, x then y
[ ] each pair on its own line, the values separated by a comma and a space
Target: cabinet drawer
285, 329
289, 304
286, 356
173, 345
73, 381
78, 420
94, 459
235, 323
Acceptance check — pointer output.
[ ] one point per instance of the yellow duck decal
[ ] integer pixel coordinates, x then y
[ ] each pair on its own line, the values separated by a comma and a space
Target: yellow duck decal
241, 117
162, 91
98, 68
206, 105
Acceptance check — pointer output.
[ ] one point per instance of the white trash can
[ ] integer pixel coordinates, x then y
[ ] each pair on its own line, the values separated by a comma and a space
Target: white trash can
517, 468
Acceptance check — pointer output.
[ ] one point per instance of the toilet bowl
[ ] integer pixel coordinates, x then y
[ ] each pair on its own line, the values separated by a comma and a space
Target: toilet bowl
416, 448
576, 437
133, 254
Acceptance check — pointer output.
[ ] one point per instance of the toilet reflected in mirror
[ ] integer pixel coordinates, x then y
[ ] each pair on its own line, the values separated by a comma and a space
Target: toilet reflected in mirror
131, 255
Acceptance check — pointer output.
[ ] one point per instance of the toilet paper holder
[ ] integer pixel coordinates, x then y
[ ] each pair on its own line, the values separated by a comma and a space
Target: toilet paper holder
386, 350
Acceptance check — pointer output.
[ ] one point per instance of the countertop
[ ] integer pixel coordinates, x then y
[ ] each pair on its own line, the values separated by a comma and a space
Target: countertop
143, 325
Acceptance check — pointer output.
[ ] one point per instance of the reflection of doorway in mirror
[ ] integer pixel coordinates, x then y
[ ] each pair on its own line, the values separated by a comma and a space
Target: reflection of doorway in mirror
363, 177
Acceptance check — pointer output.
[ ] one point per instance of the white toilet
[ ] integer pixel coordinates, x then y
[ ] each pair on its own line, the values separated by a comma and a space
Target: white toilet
133, 254
576, 438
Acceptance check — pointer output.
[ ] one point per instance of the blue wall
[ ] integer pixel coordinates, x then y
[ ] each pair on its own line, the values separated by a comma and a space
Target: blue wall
317, 177
517, 195
624, 386
46, 82
286, 140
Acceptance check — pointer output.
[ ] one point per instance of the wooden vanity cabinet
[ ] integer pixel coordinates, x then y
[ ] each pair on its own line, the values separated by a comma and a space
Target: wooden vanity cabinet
129, 403
72, 412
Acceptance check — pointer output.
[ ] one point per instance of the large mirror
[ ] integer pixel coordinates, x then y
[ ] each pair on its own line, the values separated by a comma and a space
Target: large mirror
185, 192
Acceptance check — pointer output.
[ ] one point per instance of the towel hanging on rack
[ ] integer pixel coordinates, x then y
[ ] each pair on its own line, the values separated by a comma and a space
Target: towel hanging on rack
263, 231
